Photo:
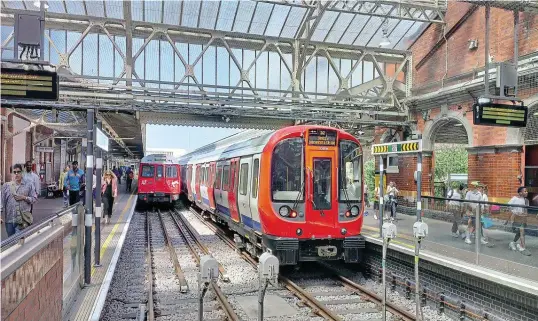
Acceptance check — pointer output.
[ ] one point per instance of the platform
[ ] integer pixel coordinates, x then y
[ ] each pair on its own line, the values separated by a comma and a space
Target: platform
495, 260
112, 236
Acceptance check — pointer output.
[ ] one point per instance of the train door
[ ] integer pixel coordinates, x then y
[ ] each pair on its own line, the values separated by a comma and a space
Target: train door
243, 195
218, 186
160, 181
203, 186
198, 196
321, 188
171, 178
232, 193
254, 192
224, 206
211, 185
189, 182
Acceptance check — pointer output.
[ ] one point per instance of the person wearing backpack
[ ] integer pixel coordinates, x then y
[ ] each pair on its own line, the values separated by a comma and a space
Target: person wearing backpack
17, 199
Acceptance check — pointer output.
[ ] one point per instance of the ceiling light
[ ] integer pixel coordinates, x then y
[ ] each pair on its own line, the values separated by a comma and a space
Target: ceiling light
458, 125
38, 4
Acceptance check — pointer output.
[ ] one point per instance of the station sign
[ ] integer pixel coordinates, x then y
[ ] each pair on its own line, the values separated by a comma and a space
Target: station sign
43, 149
29, 84
411, 146
491, 114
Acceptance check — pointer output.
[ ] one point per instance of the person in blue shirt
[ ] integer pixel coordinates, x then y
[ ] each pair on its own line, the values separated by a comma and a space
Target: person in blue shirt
74, 181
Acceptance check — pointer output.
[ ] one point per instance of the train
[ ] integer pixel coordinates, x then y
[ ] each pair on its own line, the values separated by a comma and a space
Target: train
296, 192
158, 180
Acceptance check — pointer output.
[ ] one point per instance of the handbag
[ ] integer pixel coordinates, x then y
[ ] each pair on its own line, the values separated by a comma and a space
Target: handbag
486, 221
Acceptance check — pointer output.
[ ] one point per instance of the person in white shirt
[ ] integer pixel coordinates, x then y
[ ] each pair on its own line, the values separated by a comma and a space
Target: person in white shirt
484, 208
392, 199
32, 178
454, 207
519, 225
472, 195
376, 202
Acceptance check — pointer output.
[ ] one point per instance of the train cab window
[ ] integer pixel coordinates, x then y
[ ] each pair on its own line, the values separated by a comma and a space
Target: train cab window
350, 171
171, 171
322, 184
219, 177
225, 177
148, 171
287, 170
255, 173
159, 171
243, 184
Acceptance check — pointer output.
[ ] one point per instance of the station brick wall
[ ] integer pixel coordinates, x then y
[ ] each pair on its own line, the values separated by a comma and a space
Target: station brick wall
34, 290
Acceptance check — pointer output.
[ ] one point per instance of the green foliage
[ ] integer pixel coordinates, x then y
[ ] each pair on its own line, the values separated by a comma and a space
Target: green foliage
369, 177
450, 160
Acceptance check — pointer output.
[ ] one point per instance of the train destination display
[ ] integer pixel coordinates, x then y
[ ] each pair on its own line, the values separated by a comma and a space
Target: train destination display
29, 84
320, 137
500, 115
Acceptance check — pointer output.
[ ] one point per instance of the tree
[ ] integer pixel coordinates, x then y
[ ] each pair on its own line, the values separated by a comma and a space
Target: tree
369, 176
450, 159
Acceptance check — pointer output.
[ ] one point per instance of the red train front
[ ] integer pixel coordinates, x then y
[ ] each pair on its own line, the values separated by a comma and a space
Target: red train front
158, 180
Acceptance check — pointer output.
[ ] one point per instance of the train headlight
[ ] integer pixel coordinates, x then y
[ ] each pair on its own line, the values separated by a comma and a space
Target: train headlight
284, 211
354, 210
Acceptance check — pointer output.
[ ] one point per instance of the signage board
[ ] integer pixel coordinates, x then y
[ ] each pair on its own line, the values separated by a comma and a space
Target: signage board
321, 137
410, 146
29, 84
101, 140
491, 114
43, 149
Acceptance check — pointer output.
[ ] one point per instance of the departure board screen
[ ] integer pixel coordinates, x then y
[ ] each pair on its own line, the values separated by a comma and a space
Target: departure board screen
321, 137
29, 84
500, 115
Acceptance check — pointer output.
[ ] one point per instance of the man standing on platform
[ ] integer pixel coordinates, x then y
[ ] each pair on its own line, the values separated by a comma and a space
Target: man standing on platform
129, 175
32, 178
17, 198
519, 216
74, 180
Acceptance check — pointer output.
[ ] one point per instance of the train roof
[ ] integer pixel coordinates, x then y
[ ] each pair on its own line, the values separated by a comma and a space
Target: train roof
247, 142
159, 158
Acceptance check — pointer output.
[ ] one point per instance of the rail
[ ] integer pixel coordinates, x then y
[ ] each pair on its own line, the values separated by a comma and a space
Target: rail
19, 238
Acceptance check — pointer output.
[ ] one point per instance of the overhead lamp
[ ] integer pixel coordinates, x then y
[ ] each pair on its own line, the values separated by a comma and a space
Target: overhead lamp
458, 125
385, 40
37, 3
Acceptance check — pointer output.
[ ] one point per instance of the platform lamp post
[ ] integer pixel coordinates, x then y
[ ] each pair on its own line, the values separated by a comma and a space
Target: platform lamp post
98, 208
89, 198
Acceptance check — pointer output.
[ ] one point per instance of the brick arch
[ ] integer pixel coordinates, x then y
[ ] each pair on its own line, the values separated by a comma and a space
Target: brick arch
431, 128
516, 135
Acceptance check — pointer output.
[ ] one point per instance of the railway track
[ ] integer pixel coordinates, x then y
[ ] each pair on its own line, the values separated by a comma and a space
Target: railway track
331, 295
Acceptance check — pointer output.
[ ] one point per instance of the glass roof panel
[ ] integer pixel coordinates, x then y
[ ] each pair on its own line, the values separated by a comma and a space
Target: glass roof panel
369, 30
137, 12
261, 17
355, 27
30, 5
14, 4
339, 27
114, 9
390, 25
411, 35
244, 16
153, 10
189, 16
276, 23
399, 31
56, 6
209, 14
95, 8
324, 26
226, 15
172, 12
293, 22
75, 7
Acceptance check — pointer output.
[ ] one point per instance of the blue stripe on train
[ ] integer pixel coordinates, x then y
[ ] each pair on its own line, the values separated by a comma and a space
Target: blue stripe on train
251, 223
206, 201
223, 210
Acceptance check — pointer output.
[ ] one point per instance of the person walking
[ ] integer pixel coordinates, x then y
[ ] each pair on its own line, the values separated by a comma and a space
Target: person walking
109, 190
74, 181
129, 175
31, 177
484, 210
376, 202
62, 185
17, 198
472, 195
519, 217
454, 207
392, 199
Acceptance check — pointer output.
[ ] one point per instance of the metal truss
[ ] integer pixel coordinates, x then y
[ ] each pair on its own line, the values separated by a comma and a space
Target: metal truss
371, 101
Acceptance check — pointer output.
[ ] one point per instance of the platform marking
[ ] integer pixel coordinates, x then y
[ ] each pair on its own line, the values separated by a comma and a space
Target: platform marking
113, 232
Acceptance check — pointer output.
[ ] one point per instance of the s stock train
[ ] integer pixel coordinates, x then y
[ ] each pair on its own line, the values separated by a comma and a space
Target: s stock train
296, 191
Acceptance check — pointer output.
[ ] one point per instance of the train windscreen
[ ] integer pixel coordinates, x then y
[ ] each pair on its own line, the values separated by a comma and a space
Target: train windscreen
350, 171
148, 171
287, 171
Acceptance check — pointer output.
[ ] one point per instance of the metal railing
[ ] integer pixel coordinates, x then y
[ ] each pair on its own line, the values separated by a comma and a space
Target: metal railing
19, 238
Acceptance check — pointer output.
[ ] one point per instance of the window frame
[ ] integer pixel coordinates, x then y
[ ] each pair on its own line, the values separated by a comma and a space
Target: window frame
157, 167
173, 170
303, 176
153, 171
243, 181
218, 182
226, 178
315, 205
341, 168
255, 177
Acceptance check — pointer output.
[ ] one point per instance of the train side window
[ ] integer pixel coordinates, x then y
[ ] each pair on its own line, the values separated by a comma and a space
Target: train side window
160, 171
148, 171
255, 174
225, 177
219, 177
244, 179
171, 171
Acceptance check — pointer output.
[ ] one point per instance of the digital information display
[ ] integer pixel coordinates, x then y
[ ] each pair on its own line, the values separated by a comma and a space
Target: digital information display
321, 137
101, 140
29, 84
500, 115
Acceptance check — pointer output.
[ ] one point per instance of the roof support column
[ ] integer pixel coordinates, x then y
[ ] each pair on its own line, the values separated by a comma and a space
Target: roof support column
128, 42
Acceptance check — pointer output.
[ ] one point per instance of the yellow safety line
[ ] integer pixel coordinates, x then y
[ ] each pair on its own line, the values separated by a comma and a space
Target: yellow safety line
113, 232
391, 241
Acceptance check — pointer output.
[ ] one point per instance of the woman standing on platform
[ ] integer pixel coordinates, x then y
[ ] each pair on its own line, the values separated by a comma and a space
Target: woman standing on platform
109, 190
62, 185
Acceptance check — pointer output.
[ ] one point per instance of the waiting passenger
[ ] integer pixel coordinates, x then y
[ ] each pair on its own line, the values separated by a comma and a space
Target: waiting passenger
17, 198
62, 184
74, 181
376, 202
392, 199
519, 216
109, 190
454, 207
33, 179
